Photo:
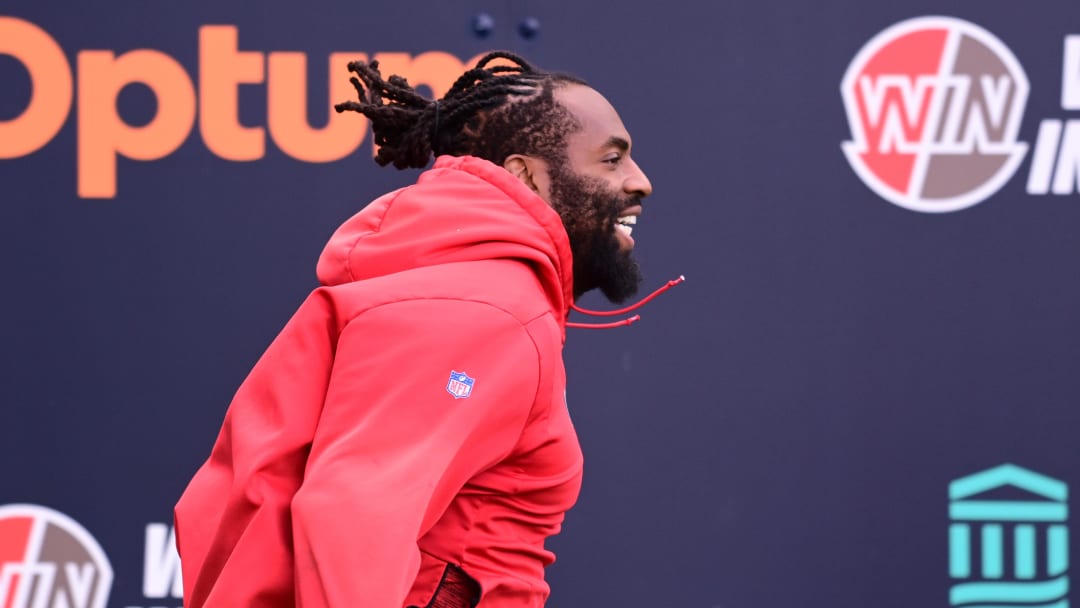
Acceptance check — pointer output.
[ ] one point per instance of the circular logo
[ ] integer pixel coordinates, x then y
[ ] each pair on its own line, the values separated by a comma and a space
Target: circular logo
934, 105
48, 559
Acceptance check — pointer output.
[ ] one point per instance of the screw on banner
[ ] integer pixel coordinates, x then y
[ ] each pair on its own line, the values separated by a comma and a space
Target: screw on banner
529, 28
483, 24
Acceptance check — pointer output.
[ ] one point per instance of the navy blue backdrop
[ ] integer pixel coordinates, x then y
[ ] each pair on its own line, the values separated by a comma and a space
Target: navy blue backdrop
781, 431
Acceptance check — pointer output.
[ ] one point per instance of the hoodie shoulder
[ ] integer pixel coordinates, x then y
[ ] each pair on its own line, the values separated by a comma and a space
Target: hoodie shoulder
463, 210
505, 285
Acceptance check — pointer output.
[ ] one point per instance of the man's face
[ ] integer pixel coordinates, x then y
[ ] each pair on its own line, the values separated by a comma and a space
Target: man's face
597, 190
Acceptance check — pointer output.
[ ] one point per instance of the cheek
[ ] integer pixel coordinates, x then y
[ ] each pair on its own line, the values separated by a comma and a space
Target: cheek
605, 183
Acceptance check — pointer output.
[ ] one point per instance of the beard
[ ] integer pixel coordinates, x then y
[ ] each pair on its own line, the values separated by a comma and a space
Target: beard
588, 208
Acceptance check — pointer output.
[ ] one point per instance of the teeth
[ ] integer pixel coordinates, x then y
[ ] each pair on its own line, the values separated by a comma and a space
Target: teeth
624, 228
628, 220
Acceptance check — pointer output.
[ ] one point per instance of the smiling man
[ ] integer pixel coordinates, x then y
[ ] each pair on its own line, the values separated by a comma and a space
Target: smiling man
405, 439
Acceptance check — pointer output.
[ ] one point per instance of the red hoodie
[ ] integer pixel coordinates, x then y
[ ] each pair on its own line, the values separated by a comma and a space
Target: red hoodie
410, 415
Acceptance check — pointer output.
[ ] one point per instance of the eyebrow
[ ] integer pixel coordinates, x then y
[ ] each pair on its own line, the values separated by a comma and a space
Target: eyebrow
617, 142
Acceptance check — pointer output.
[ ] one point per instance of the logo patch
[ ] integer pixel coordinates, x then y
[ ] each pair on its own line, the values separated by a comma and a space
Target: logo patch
460, 385
48, 559
934, 105
1008, 551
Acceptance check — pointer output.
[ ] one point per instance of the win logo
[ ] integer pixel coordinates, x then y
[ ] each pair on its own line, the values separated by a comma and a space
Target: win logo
1006, 553
935, 106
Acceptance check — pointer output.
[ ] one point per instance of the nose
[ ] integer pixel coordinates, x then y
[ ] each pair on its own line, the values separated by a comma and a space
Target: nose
637, 183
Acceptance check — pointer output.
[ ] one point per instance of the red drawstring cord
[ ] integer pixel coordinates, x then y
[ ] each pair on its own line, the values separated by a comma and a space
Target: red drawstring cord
604, 325
621, 311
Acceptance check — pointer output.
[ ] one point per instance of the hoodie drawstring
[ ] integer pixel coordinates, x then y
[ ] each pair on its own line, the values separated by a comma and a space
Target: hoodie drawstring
621, 311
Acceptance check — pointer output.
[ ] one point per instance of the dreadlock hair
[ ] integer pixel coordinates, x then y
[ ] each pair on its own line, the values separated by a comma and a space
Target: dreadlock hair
491, 111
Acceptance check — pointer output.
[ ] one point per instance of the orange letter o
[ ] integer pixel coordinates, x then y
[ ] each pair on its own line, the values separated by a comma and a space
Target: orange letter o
50, 80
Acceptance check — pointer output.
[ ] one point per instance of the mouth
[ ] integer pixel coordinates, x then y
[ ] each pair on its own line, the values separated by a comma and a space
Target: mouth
624, 226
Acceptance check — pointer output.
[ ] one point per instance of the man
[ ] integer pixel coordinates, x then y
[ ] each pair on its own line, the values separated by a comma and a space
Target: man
405, 440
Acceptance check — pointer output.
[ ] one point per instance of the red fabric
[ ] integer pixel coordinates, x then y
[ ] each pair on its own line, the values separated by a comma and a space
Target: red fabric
346, 474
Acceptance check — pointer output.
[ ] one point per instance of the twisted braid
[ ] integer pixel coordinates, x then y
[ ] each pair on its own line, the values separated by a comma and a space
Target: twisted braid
489, 111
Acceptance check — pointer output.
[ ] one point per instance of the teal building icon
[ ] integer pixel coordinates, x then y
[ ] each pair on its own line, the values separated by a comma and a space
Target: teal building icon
1011, 552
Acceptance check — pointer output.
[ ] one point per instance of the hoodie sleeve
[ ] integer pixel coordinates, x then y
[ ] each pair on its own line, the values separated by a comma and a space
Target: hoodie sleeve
232, 522
397, 441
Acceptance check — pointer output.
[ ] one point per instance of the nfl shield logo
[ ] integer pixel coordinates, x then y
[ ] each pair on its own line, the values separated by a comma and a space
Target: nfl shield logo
460, 385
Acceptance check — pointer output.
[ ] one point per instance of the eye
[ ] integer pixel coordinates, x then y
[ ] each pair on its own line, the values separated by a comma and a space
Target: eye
612, 159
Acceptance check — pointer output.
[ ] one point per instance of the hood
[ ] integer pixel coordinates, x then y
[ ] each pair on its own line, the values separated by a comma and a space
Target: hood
462, 209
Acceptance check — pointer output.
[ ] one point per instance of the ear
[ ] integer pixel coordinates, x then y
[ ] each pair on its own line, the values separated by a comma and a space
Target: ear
524, 168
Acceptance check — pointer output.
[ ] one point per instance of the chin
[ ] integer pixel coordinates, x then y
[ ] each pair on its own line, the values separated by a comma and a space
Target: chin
621, 278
